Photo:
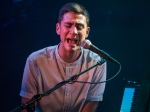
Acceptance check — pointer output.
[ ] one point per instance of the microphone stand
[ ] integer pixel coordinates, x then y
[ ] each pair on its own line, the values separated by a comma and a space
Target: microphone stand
30, 105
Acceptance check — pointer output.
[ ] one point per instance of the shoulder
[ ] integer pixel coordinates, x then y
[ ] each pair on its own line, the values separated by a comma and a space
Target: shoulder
42, 53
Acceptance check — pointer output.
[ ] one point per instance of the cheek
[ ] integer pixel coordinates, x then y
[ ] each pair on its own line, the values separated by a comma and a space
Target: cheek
87, 32
63, 30
84, 35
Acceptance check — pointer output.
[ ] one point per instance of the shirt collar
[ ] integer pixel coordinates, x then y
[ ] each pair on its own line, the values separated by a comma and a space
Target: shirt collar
59, 59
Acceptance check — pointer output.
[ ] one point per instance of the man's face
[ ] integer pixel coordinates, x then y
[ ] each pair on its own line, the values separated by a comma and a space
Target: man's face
73, 30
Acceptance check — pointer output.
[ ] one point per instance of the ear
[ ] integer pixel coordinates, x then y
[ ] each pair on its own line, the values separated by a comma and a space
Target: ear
87, 32
58, 28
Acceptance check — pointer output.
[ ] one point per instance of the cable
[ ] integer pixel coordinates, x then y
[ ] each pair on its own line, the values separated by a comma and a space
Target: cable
102, 81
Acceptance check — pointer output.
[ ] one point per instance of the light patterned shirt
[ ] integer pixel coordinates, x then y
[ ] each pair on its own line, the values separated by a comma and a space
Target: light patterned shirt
45, 68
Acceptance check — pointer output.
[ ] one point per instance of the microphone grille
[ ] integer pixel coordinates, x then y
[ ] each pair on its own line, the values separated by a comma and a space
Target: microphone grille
86, 44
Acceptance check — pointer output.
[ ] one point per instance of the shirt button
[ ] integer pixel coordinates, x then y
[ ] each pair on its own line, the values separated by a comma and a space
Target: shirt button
67, 94
68, 77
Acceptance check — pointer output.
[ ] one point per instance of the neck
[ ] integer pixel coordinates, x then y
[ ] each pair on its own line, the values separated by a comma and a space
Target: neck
70, 56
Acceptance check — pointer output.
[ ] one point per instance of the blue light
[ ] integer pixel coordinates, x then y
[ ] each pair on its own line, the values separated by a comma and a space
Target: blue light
127, 100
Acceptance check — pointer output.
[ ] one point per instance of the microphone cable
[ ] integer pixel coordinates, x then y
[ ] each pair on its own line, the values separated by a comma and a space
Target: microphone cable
101, 81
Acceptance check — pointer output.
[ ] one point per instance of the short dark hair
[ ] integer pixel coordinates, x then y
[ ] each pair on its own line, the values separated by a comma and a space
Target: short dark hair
73, 7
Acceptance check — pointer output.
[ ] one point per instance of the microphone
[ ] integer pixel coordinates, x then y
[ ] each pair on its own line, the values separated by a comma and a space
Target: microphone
88, 45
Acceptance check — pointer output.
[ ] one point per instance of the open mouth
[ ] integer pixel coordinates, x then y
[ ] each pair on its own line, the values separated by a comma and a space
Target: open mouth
72, 41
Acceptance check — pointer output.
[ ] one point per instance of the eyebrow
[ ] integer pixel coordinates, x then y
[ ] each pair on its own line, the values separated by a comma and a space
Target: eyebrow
67, 23
72, 23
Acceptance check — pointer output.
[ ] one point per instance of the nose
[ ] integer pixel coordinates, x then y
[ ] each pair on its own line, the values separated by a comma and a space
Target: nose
73, 30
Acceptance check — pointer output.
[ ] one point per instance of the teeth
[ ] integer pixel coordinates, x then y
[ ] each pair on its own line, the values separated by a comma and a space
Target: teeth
71, 41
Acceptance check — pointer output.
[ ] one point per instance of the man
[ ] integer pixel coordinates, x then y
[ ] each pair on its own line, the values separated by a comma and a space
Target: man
47, 67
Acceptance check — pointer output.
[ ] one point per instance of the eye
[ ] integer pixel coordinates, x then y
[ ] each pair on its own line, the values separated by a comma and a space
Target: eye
80, 26
68, 25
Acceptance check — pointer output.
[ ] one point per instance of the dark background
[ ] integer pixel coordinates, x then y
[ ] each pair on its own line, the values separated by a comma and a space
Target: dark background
119, 27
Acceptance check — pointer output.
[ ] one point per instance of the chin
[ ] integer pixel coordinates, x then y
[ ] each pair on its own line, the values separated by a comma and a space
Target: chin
77, 48
71, 48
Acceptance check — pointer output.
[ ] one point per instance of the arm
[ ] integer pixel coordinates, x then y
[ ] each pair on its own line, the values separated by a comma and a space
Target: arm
96, 90
24, 100
90, 106
28, 87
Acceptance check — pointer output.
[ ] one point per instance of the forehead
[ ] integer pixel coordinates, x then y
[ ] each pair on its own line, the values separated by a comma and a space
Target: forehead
74, 18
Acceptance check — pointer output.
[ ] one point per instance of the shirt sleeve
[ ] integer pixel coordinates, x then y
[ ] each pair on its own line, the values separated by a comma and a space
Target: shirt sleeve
28, 88
96, 91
